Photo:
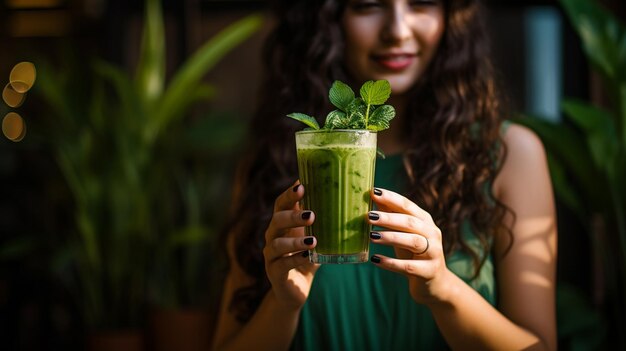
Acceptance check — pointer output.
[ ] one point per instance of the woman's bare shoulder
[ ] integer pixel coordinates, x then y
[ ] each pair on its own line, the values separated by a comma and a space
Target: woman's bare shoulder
521, 141
525, 157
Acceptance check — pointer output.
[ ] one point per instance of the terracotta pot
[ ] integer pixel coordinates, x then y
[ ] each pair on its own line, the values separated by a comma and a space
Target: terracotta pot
115, 341
180, 330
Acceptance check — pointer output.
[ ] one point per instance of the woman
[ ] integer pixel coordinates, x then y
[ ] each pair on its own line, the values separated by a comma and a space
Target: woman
465, 253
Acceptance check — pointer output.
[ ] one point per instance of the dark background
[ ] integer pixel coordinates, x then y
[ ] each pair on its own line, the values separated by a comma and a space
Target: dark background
36, 312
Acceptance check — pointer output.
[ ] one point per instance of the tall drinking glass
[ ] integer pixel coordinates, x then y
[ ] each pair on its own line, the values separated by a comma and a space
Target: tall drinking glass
337, 170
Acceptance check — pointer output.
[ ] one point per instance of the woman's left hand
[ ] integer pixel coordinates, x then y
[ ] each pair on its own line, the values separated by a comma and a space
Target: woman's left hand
417, 243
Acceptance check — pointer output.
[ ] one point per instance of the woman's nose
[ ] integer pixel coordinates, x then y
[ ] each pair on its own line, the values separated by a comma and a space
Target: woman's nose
398, 25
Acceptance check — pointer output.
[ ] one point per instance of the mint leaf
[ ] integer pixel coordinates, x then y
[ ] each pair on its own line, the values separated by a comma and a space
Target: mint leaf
356, 121
306, 119
356, 114
380, 118
356, 106
335, 120
375, 93
340, 95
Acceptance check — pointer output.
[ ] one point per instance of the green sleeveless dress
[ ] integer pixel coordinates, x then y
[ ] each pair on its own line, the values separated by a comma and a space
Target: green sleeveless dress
363, 307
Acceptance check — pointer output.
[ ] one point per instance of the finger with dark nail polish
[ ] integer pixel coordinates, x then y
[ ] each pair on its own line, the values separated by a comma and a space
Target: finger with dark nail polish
373, 216
375, 235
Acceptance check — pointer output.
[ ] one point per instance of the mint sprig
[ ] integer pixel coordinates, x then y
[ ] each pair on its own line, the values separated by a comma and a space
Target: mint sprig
364, 112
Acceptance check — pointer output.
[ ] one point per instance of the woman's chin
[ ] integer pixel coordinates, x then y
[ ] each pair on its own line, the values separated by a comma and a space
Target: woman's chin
400, 86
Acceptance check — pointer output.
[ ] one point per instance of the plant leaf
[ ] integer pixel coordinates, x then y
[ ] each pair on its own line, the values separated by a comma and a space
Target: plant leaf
357, 105
306, 119
622, 109
562, 186
190, 235
356, 113
600, 132
375, 92
55, 89
335, 120
150, 71
89, 236
218, 132
356, 120
600, 33
579, 321
340, 95
123, 86
173, 104
381, 117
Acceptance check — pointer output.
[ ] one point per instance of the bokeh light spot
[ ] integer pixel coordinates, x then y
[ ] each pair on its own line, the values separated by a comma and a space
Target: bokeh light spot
13, 127
23, 76
23, 134
11, 97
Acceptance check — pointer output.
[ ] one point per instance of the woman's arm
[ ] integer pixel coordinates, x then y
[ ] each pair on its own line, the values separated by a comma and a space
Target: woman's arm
273, 325
525, 319
271, 328
526, 274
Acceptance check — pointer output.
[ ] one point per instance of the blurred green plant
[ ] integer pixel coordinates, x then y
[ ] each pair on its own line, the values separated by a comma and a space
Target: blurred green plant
580, 326
143, 176
587, 152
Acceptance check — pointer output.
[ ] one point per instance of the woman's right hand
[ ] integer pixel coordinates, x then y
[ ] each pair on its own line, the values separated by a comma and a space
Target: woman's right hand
286, 249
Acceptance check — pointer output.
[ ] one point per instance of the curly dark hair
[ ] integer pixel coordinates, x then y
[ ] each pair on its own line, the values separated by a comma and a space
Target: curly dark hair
453, 127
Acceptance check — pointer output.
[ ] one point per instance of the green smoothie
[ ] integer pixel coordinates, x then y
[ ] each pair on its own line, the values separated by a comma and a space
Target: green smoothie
337, 171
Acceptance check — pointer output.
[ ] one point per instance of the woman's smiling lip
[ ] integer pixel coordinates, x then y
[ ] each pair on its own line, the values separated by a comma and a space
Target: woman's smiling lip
394, 61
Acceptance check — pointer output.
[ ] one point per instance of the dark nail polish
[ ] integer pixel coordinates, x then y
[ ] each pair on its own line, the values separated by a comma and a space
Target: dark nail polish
308, 241
375, 235
377, 192
295, 188
305, 253
373, 216
375, 259
306, 214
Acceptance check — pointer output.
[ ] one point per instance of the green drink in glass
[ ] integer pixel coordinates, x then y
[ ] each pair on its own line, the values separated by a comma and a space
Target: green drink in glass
336, 166
337, 171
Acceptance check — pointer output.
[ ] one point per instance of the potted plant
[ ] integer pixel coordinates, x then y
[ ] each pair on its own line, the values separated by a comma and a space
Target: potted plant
587, 153
121, 143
